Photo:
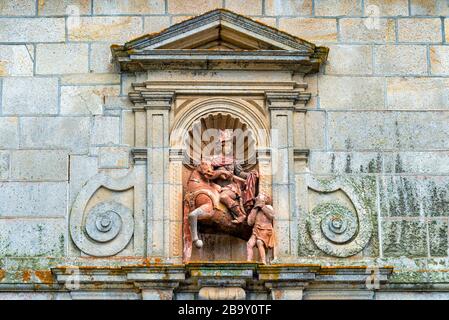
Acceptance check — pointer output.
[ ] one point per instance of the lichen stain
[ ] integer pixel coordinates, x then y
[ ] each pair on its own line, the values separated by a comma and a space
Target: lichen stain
2, 275
44, 276
26, 276
3, 68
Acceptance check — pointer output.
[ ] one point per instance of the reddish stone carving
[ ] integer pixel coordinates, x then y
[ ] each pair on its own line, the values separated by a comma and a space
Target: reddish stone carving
261, 218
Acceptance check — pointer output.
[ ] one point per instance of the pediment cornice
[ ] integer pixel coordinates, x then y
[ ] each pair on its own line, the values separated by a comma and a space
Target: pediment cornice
220, 40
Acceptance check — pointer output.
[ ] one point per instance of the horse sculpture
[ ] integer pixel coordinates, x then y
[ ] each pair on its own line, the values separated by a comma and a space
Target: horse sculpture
204, 211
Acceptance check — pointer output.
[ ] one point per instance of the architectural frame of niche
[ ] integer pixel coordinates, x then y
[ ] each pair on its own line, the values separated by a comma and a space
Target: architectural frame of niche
225, 65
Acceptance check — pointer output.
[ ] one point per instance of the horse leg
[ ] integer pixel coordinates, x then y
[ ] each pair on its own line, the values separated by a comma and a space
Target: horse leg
193, 221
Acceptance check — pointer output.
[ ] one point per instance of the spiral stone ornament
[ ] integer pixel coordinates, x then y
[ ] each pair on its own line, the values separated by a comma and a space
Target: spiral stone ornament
335, 229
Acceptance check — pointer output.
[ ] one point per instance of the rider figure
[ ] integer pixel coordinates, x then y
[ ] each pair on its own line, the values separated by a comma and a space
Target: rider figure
230, 193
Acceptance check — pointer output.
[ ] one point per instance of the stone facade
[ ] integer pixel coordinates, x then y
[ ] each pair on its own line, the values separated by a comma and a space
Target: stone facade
368, 139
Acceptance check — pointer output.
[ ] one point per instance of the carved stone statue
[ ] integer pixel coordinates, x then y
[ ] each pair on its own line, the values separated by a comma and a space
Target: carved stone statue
261, 218
218, 195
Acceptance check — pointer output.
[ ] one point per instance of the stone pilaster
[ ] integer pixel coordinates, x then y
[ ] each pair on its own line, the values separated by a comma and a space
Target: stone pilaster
281, 106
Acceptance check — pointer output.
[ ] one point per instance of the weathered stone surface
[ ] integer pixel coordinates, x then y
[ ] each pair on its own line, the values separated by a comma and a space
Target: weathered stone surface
417, 162
129, 7
61, 58
35, 165
82, 168
26, 238
103, 28
16, 60
31, 199
85, 100
90, 79
438, 238
439, 60
288, 7
190, 7
404, 238
155, 23
315, 125
32, 30
324, 30
367, 31
419, 30
70, 133
9, 132
63, 7
101, 58
345, 162
106, 130
400, 59
25, 96
375, 8
404, 196
388, 130
113, 157
248, 7
432, 8
4, 165
345, 93
338, 8
418, 93
349, 59
18, 8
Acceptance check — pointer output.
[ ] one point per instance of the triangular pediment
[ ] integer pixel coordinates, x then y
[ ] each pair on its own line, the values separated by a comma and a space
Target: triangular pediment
218, 36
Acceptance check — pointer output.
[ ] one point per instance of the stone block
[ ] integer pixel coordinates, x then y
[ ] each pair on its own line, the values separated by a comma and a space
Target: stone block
85, 100
386, 8
315, 130
70, 133
248, 7
18, 8
4, 165
419, 30
324, 30
61, 58
404, 238
33, 199
101, 58
288, 7
345, 162
388, 130
349, 59
418, 93
351, 92
27, 238
36, 165
426, 162
155, 23
191, 7
400, 59
439, 60
129, 7
338, 7
366, 31
438, 238
63, 7
406, 196
119, 29
82, 168
32, 30
446, 27
106, 130
16, 60
90, 79
9, 132
30, 95
429, 8
113, 158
